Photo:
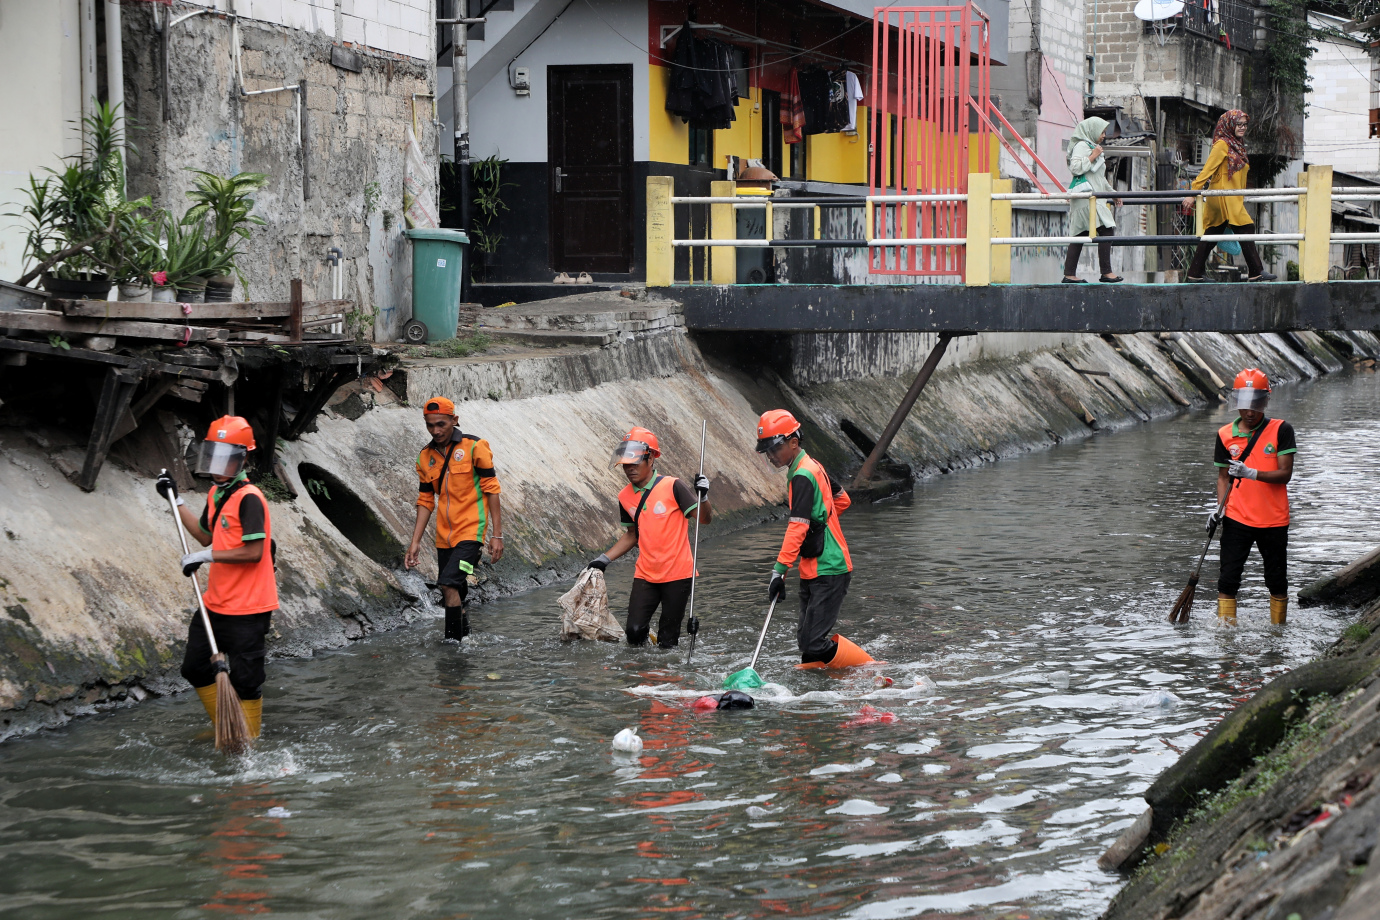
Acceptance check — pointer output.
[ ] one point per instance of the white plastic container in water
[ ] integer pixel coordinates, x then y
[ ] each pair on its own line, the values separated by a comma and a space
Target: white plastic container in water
627, 741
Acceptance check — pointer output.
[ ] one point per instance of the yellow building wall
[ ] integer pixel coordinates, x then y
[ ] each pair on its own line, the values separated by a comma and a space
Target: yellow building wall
744, 137
838, 157
668, 136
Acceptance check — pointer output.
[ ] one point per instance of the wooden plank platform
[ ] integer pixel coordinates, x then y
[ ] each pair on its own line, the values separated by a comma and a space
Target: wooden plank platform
172, 312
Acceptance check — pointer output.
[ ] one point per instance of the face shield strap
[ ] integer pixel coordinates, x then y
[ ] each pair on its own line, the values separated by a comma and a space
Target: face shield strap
1251, 398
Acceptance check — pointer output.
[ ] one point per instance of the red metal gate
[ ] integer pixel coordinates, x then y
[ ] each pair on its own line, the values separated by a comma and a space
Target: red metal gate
930, 69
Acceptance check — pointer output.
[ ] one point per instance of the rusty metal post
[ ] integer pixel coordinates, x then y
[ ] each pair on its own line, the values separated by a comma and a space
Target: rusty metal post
921, 378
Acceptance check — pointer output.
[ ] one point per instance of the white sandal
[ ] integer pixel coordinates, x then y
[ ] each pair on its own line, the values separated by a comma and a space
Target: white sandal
584, 278
562, 278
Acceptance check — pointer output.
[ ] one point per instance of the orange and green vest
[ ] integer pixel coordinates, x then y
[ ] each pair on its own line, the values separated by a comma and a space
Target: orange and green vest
238, 588
663, 531
835, 559
1252, 502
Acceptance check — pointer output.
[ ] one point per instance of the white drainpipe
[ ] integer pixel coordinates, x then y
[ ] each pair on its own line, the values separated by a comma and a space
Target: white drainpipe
88, 63
115, 74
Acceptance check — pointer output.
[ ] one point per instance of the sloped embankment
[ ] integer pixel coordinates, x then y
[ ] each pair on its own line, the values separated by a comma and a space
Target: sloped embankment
1276, 812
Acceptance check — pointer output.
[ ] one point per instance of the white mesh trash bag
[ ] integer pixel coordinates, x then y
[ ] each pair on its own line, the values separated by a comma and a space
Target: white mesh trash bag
585, 610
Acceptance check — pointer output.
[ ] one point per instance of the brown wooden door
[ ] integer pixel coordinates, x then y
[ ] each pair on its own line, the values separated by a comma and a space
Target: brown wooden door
590, 159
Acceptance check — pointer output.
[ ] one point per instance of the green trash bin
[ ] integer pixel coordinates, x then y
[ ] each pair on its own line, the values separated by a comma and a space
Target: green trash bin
438, 264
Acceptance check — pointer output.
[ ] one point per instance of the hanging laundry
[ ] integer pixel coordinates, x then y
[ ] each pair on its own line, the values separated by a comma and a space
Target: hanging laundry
814, 98
792, 111
852, 91
704, 84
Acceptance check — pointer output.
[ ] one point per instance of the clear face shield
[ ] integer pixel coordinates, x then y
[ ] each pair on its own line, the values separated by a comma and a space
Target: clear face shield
1251, 398
216, 458
631, 452
769, 449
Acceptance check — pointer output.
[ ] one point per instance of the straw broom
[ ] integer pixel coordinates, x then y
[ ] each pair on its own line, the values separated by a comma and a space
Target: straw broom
232, 728
1184, 605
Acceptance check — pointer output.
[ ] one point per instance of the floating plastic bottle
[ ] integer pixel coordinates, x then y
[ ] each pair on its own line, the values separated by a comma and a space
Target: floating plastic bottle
627, 741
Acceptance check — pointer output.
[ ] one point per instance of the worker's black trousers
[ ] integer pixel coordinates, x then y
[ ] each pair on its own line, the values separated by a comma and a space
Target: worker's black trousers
1236, 546
672, 596
241, 639
821, 599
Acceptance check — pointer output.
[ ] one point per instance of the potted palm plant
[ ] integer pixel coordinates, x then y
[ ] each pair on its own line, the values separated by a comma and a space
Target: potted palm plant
142, 256
224, 204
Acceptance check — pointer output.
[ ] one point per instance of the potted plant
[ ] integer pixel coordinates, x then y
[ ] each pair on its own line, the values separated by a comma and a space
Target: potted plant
223, 202
142, 256
185, 258
77, 220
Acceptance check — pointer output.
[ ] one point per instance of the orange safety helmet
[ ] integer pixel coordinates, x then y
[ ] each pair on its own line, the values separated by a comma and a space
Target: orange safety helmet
229, 439
637, 445
1252, 389
774, 427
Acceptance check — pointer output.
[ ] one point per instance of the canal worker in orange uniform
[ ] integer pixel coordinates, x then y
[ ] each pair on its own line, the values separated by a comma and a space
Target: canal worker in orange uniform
1255, 461
241, 587
655, 513
815, 538
456, 480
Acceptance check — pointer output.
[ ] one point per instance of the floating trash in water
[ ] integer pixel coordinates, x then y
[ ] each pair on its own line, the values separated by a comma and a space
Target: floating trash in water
277, 811
1059, 680
627, 741
1155, 699
870, 715
842, 767
492, 676
858, 808
735, 699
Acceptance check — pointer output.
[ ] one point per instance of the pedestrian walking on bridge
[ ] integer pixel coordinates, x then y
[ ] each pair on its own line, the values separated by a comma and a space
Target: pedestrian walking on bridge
1088, 164
655, 513
456, 481
1255, 461
1226, 168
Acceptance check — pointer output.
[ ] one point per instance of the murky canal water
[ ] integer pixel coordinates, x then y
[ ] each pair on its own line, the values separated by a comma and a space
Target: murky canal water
403, 778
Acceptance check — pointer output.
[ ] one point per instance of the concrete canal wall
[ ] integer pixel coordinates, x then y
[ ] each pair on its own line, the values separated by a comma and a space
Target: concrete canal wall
95, 610
1275, 813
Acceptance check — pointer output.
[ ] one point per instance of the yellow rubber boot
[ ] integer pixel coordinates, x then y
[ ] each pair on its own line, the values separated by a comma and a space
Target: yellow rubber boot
253, 714
1279, 609
208, 699
1226, 611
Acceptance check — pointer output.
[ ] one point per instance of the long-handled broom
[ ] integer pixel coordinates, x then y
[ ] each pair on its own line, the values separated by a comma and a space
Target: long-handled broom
232, 728
748, 678
693, 625
1184, 605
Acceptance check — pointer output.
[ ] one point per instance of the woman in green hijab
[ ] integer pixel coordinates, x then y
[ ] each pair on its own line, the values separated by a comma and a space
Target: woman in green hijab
1089, 167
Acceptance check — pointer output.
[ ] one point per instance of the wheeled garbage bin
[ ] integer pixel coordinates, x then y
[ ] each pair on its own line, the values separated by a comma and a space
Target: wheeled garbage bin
438, 265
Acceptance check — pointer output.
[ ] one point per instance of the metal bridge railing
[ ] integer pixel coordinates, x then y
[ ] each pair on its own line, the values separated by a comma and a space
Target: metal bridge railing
989, 237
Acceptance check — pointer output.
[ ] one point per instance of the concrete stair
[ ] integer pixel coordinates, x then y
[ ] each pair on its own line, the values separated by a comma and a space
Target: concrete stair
594, 318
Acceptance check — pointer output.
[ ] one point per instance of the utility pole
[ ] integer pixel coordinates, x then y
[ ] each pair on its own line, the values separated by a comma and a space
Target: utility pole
460, 101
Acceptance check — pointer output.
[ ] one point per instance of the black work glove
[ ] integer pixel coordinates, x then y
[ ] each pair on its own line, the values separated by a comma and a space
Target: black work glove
600, 563
166, 486
776, 590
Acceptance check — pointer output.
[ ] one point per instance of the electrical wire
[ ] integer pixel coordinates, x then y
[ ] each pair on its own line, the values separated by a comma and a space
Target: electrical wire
814, 50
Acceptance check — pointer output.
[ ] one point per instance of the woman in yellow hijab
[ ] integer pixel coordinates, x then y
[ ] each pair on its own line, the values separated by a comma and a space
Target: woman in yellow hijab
1226, 167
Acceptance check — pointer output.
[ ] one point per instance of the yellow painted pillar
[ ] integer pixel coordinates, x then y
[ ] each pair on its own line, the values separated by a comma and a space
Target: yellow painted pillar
979, 255
723, 225
1001, 226
1316, 224
661, 223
